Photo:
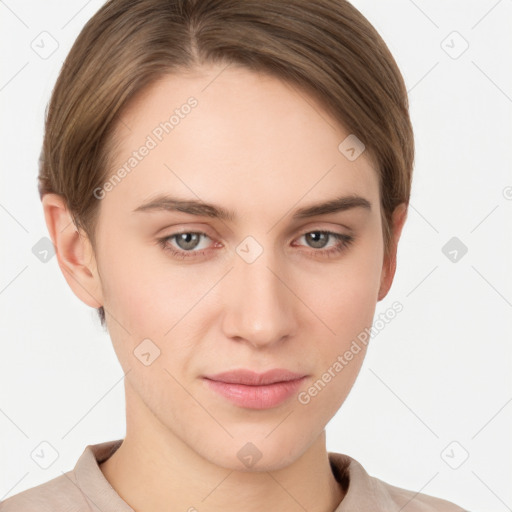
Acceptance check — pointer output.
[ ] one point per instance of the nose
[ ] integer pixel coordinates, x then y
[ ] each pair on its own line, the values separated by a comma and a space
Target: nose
260, 307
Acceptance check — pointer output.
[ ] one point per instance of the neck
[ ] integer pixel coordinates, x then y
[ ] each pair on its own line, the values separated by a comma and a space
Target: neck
155, 470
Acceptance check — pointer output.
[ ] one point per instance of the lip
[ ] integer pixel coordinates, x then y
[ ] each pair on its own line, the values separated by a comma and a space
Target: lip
253, 390
251, 378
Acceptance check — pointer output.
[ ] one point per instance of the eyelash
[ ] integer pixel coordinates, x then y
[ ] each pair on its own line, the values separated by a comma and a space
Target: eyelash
345, 242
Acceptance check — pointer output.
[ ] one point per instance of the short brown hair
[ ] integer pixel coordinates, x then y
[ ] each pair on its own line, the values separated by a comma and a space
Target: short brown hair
326, 48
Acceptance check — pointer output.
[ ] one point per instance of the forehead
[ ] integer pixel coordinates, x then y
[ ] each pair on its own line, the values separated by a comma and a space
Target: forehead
228, 134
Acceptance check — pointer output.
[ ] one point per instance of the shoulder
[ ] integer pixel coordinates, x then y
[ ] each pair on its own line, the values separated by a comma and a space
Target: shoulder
82, 489
60, 493
416, 501
364, 492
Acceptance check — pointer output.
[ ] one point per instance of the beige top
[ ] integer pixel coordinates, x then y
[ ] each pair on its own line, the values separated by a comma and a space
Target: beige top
85, 489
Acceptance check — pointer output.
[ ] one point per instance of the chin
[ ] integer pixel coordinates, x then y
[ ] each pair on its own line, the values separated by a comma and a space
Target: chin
255, 453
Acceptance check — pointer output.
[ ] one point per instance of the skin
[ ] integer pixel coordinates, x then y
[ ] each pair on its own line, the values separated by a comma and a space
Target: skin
259, 147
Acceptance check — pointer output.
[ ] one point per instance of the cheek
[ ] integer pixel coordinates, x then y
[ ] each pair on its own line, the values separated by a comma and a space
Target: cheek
345, 302
345, 295
340, 349
133, 284
149, 295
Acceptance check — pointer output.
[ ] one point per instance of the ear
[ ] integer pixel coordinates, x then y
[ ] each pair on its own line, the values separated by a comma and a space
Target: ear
73, 250
389, 265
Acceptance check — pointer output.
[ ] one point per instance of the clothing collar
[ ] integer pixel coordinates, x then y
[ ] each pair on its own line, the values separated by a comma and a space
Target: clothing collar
362, 492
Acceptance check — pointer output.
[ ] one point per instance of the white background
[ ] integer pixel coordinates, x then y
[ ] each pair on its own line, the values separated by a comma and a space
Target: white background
439, 372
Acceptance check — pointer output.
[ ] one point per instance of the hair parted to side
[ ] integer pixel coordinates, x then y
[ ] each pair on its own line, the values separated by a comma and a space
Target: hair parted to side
325, 48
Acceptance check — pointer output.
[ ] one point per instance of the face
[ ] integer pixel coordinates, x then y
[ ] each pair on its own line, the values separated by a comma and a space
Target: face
191, 293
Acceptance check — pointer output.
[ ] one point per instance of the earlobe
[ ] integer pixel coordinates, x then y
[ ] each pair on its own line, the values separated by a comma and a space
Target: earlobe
389, 264
73, 250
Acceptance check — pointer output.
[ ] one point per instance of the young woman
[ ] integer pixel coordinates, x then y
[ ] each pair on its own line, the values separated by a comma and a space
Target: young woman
227, 183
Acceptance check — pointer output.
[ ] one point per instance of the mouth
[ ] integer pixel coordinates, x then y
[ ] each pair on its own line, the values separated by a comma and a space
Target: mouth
253, 390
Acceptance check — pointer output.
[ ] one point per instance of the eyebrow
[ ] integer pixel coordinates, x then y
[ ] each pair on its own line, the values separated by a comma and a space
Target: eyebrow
200, 208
